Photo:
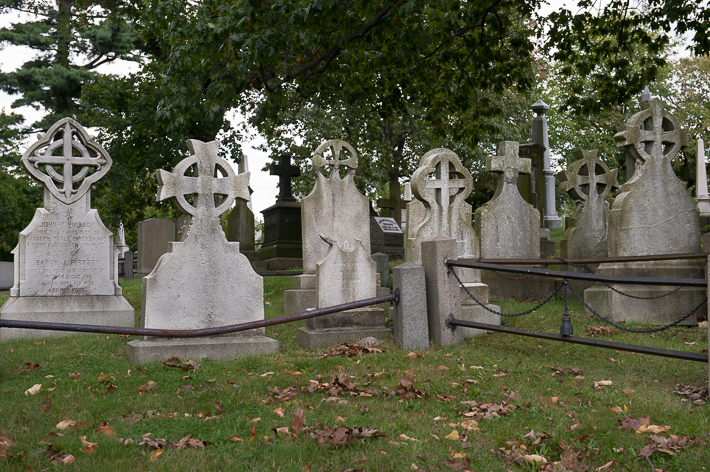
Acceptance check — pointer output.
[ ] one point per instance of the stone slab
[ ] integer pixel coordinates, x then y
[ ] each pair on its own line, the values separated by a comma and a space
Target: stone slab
7, 274
299, 301
535, 288
383, 267
240, 226
358, 318
282, 263
442, 290
154, 234
304, 282
478, 314
143, 351
282, 231
312, 339
106, 310
411, 325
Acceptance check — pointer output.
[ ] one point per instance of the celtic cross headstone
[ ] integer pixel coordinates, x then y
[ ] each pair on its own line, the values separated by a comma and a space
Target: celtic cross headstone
66, 264
203, 281
507, 226
588, 181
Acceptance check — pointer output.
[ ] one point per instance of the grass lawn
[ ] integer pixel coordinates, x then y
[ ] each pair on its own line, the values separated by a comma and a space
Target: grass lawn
527, 398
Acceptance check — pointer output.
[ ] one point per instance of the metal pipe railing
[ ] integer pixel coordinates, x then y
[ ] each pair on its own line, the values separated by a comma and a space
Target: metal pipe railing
563, 260
193, 333
472, 264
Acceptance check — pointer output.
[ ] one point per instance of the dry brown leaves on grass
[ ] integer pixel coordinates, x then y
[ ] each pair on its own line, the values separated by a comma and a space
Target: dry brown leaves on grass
342, 383
352, 349
5, 444
177, 363
187, 441
479, 411
642, 425
671, 444
696, 395
342, 435
560, 371
571, 458
405, 390
283, 395
29, 367
594, 331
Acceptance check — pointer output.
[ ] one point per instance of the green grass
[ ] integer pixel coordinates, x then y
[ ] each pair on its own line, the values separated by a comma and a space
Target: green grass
241, 389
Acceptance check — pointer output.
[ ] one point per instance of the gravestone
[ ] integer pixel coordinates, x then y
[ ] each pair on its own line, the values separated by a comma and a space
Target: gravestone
406, 199
121, 240
383, 267
128, 265
440, 186
240, 223
588, 181
386, 237
282, 247
532, 184
7, 274
395, 204
66, 264
336, 253
154, 238
652, 215
702, 180
203, 281
508, 227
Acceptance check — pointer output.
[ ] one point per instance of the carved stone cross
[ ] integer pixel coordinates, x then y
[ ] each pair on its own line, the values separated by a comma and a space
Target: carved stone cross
213, 194
508, 161
73, 150
588, 177
336, 146
285, 171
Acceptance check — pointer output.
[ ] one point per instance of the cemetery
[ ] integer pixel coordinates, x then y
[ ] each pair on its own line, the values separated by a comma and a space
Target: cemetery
474, 260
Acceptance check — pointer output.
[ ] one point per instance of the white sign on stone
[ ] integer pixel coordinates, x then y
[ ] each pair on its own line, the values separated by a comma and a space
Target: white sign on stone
388, 225
203, 281
66, 253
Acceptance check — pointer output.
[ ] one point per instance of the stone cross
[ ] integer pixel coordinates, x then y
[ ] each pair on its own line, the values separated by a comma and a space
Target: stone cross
394, 203
702, 180
508, 163
50, 153
285, 171
336, 146
214, 194
588, 177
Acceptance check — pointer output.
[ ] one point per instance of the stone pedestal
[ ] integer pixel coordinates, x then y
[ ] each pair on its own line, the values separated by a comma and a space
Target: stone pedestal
472, 311
66, 264
657, 311
411, 326
282, 232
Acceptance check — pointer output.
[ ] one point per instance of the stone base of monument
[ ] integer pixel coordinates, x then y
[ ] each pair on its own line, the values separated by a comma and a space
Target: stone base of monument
514, 286
347, 326
472, 311
145, 350
283, 263
103, 310
303, 295
652, 309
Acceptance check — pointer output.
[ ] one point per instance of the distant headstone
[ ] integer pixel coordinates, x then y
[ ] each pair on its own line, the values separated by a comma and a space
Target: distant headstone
66, 264
383, 267
181, 226
652, 215
507, 226
121, 240
203, 281
406, 199
336, 246
395, 204
154, 237
128, 265
588, 181
7, 274
386, 237
702, 180
282, 245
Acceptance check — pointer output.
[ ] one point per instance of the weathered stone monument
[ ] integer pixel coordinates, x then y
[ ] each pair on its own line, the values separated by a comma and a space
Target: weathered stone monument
154, 238
240, 222
702, 180
282, 247
66, 264
336, 254
588, 181
395, 204
540, 135
121, 240
652, 215
386, 237
203, 281
508, 227
440, 186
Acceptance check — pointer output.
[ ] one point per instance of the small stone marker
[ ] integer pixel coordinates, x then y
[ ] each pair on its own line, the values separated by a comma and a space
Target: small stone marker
154, 238
588, 181
240, 223
383, 267
66, 263
203, 281
386, 237
702, 180
652, 215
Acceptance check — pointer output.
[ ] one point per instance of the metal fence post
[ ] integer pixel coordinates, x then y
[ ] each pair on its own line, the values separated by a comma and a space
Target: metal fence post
442, 291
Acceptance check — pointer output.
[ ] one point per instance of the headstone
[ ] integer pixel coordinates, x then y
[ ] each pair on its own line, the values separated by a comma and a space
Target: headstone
121, 240
182, 224
652, 215
441, 185
128, 265
154, 237
588, 182
507, 227
336, 249
282, 246
394, 203
203, 281
532, 185
240, 223
702, 180
383, 267
7, 274
540, 136
386, 237
66, 264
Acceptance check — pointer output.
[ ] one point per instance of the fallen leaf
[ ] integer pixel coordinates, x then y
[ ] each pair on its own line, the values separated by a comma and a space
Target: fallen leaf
452, 436
47, 404
150, 385
218, 406
605, 466
30, 366
457, 465
235, 439
266, 374
75, 375
339, 419
298, 421
64, 459
554, 400
65, 424
652, 428
33, 389
255, 420
441, 367
535, 458
105, 429
628, 391
280, 412
155, 454
617, 410
634, 424
469, 425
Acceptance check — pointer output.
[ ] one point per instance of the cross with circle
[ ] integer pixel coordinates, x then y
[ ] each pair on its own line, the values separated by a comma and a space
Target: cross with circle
588, 177
60, 153
336, 146
213, 194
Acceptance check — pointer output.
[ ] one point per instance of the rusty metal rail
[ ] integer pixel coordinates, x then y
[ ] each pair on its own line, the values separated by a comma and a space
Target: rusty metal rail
473, 264
561, 260
276, 273
193, 333
654, 351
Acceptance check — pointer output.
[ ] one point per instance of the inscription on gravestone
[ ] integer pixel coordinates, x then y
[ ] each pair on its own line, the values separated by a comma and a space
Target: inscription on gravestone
388, 225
